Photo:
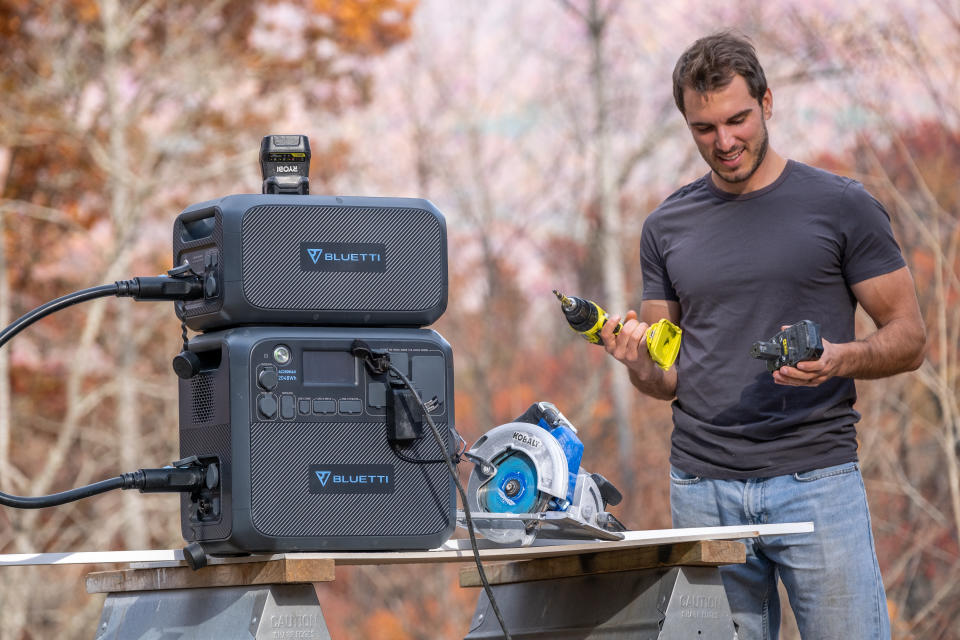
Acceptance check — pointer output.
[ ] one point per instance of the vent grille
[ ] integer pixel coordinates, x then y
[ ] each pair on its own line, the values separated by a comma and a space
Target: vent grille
415, 272
282, 505
201, 398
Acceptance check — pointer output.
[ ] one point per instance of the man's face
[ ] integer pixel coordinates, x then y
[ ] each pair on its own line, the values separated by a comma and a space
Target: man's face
729, 127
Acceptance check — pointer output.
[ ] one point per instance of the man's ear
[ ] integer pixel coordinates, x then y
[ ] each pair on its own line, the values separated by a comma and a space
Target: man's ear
766, 104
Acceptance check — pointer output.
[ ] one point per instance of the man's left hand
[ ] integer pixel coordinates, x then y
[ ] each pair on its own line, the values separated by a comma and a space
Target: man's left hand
811, 373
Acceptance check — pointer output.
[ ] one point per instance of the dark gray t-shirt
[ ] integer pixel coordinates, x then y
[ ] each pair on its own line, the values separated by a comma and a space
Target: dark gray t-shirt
741, 267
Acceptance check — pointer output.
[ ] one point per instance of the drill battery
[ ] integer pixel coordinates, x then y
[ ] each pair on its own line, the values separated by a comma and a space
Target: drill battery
794, 344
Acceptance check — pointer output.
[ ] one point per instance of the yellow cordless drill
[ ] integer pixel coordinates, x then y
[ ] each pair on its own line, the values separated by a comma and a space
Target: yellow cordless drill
587, 318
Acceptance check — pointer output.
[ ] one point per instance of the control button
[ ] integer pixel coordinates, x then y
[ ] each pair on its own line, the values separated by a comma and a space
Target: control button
303, 406
287, 407
282, 354
267, 378
324, 406
267, 406
351, 406
377, 395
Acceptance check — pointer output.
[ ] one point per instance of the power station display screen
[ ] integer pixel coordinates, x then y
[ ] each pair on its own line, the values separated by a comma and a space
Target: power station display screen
329, 368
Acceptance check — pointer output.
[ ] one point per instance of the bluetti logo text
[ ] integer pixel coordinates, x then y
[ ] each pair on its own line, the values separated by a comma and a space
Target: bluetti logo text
342, 256
317, 254
351, 478
327, 476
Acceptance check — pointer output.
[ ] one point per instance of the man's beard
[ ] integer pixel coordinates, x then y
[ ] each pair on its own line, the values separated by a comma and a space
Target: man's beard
758, 160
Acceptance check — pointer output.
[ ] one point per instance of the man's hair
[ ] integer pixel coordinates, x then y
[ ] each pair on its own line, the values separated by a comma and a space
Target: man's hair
711, 63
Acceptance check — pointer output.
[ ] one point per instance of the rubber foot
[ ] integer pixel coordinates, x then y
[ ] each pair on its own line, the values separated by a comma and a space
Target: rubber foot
195, 556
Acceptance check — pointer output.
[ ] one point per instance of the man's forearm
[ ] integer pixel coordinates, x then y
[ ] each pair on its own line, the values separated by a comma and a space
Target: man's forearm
892, 349
661, 384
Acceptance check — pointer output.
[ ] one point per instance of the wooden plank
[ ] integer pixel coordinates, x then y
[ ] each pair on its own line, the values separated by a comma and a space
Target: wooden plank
301, 568
167, 570
286, 570
697, 553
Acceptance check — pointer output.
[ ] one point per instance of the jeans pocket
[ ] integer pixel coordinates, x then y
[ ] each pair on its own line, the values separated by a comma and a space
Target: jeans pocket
826, 472
678, 476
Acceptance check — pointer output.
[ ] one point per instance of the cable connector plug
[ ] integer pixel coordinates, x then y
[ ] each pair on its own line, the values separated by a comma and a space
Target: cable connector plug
378, 362
184, 476
187, 287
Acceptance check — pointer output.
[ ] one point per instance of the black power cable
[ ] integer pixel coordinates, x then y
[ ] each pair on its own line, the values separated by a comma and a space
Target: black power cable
188, 478
52, 500
55, 305
183, 286
188, 287
463, 499
378, 362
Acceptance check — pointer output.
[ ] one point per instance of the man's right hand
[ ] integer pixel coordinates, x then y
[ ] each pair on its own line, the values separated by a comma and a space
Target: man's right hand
629, 346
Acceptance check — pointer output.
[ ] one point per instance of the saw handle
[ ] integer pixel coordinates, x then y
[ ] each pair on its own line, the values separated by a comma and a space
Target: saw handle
609, 493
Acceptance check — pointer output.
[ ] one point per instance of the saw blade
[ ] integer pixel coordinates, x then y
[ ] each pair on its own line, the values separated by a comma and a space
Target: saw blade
513, 489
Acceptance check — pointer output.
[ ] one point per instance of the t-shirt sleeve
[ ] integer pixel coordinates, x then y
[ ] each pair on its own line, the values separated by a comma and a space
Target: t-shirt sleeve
656, 283
869, 249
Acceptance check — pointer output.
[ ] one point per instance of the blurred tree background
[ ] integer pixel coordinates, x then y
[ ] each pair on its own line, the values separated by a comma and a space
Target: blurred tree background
545, 131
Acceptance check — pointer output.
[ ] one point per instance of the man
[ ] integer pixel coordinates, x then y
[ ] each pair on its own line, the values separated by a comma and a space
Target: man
759, 243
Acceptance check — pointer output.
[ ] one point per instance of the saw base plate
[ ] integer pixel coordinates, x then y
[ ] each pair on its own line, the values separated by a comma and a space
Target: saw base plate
554, 525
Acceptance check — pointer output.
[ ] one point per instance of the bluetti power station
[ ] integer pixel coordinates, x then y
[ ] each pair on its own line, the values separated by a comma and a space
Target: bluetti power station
314, 449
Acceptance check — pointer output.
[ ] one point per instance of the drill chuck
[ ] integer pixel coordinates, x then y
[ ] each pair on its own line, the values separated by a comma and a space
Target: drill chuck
585, 317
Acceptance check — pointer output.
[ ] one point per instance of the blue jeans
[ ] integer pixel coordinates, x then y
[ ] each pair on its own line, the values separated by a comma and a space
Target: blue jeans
831, 575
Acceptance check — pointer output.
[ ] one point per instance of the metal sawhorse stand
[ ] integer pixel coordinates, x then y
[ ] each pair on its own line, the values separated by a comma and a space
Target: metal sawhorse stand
666, 592
659, 591
262, 599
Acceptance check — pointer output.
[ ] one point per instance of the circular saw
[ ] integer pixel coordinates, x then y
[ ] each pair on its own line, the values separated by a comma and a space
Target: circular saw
527, 482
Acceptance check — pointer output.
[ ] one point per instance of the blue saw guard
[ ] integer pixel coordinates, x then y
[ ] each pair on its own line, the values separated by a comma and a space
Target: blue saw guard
573, 450
515, 467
